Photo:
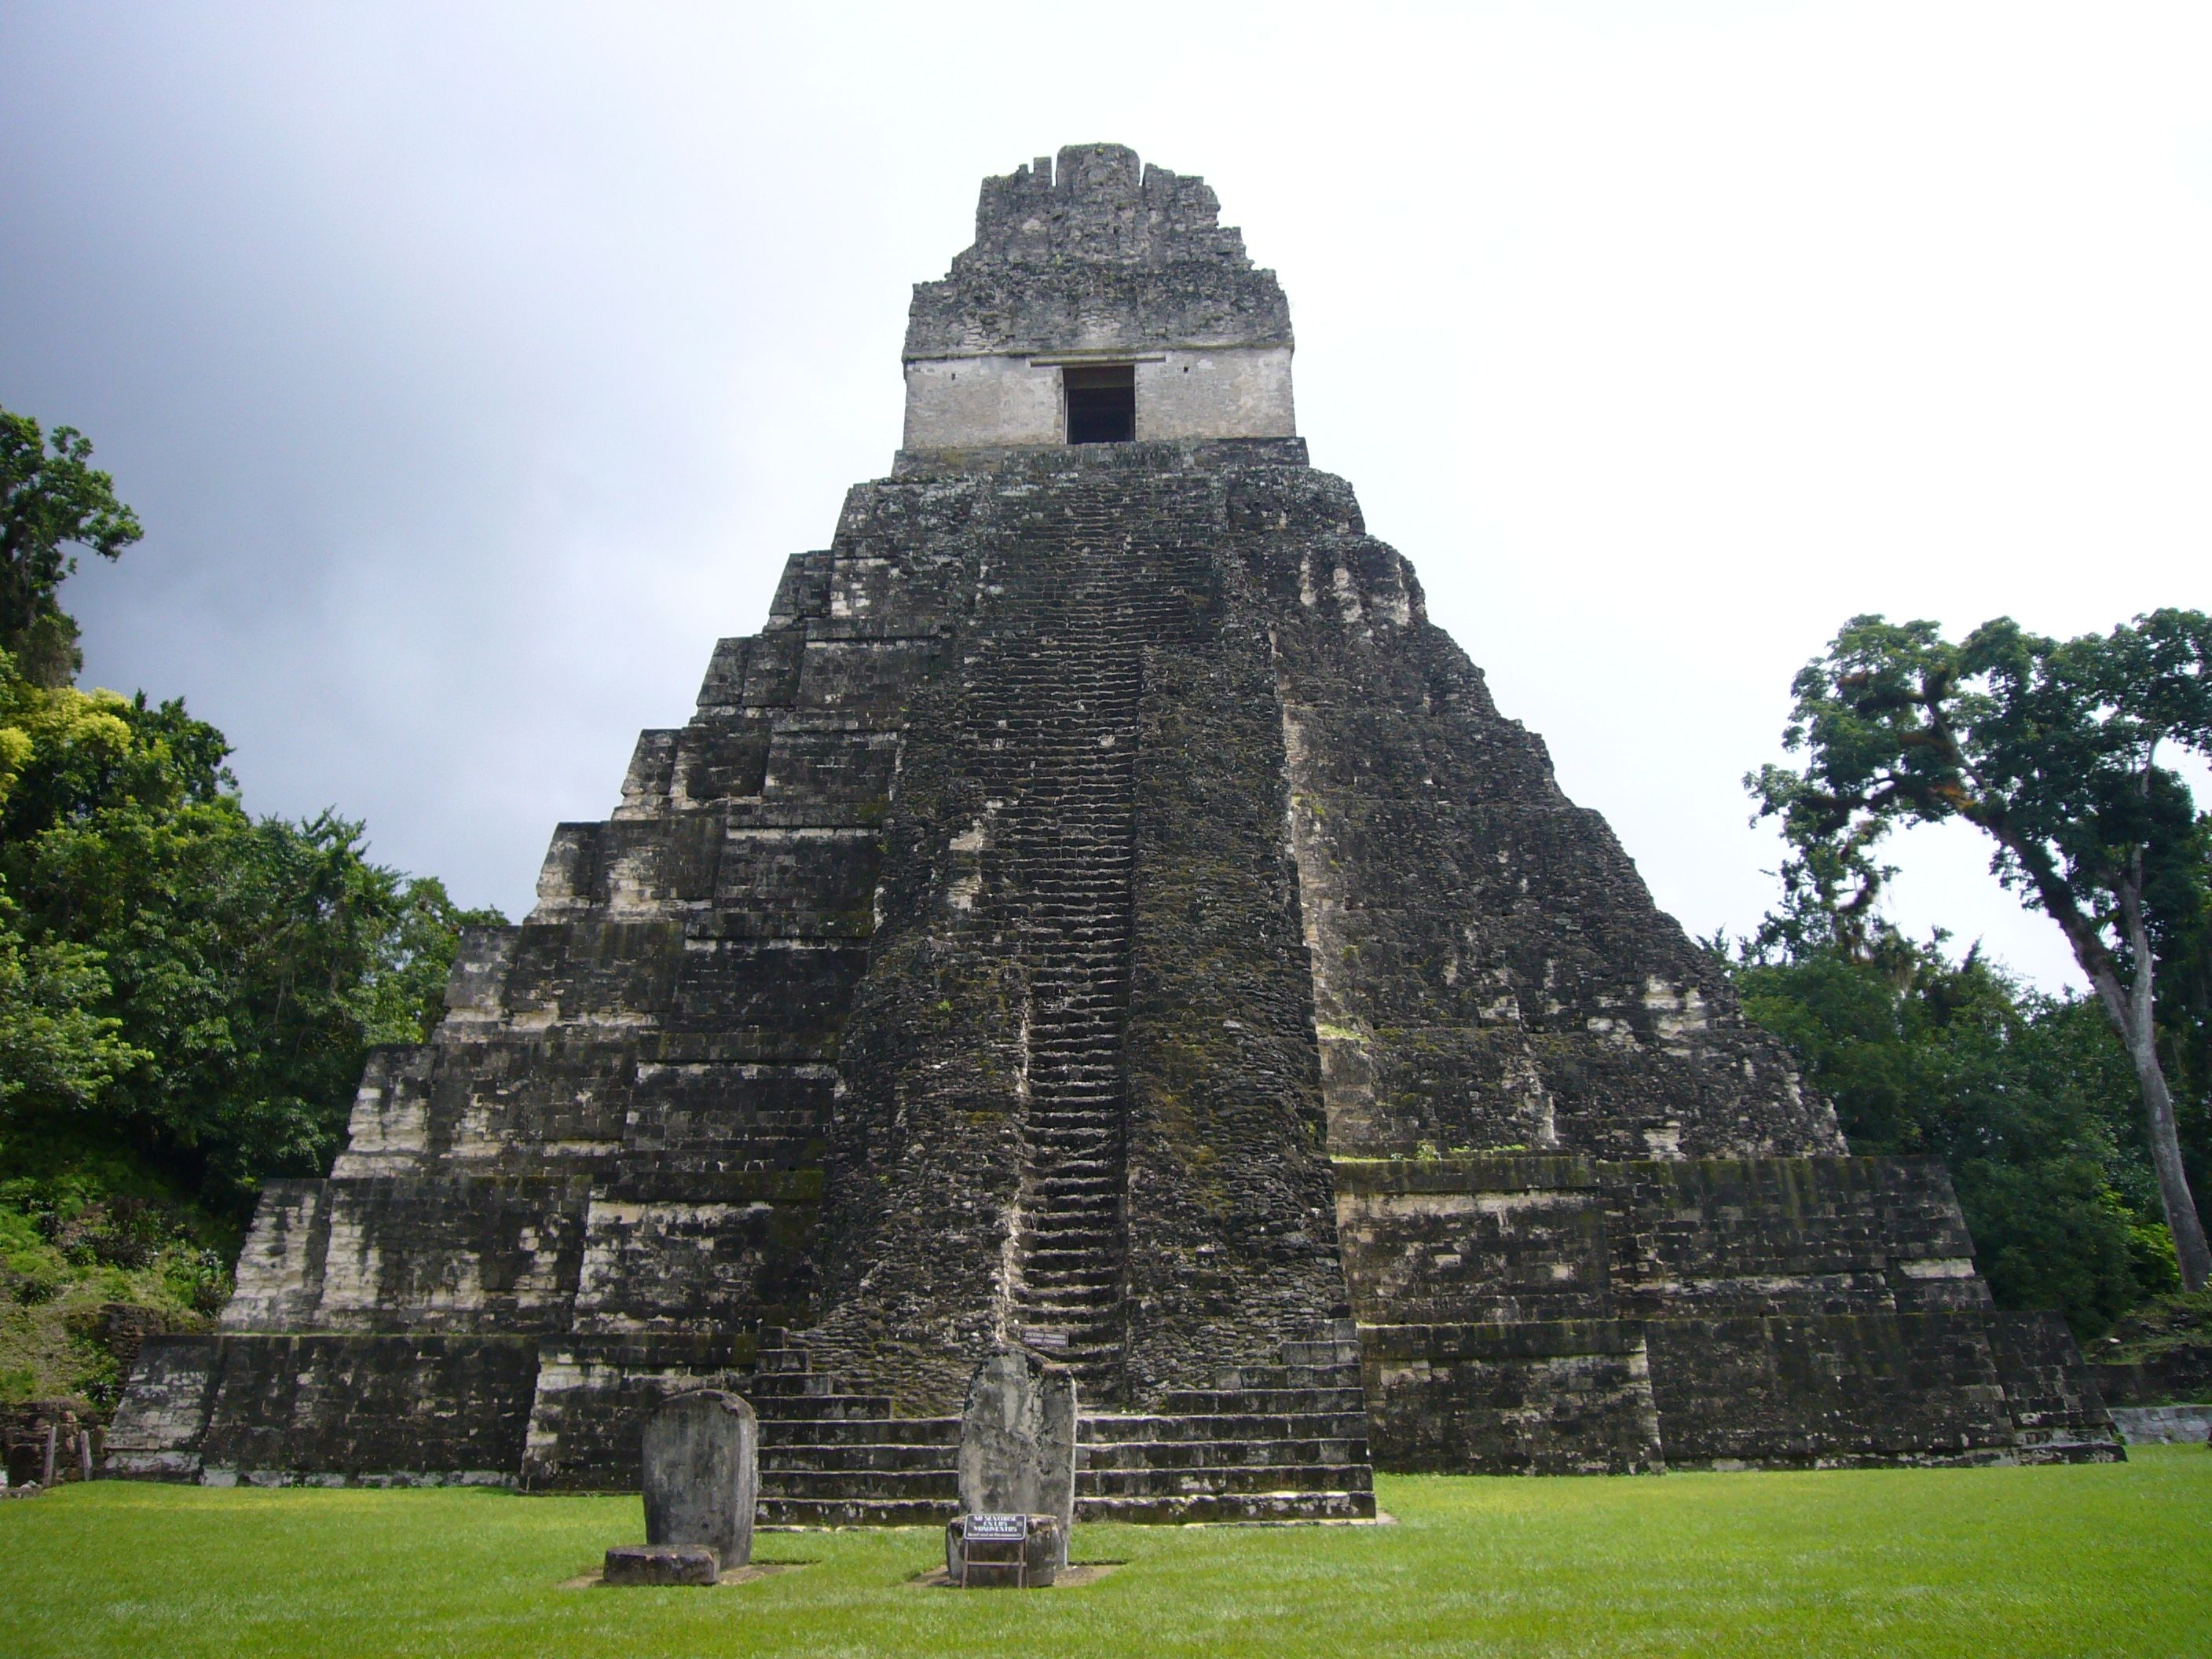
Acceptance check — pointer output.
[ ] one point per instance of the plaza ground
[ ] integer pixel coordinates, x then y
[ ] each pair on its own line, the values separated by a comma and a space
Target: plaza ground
2102, 1559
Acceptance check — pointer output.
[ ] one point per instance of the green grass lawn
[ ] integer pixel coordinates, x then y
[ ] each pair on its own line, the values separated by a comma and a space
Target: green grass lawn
2109, 1559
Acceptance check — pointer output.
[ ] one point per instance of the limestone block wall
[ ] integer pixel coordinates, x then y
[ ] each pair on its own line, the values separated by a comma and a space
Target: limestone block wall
454, 1407
1490, 973
1229, 392
1551, 1315
977, 402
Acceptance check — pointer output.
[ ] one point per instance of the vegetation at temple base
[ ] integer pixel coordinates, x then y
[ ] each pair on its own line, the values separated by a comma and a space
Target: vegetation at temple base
2052, 749
187, 991
2062, 1560
2028, 1099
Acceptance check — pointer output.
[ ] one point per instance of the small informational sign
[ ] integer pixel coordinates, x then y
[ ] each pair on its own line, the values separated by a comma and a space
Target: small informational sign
996, 1529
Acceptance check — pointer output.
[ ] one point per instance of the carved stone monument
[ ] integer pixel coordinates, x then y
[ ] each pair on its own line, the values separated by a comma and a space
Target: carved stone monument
1017, 1463
702, 1479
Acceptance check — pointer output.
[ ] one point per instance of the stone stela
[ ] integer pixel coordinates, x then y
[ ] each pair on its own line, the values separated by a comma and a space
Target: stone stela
1017, 1464
700, 1474
1099, 915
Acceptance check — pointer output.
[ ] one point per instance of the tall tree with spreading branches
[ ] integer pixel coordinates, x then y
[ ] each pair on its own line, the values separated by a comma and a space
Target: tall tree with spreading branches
2050, 748
51, 500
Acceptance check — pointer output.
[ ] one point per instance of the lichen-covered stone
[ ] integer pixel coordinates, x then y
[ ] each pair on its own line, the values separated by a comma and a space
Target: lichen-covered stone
661, 1564
700, 1469
1018, 1442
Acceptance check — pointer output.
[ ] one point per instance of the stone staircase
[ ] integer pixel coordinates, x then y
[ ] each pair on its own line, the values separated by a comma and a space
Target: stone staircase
832, 1459
1266, 1442
1105, 566
1055, 705
1276, 1442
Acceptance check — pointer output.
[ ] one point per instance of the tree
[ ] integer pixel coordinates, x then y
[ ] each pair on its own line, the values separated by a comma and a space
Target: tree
176, 975
2049, 748
50, 500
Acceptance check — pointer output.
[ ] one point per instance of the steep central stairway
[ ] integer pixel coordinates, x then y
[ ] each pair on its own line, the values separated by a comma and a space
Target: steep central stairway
1107, 563
1053, 705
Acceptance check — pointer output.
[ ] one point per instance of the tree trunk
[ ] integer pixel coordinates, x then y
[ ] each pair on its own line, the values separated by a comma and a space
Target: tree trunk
2130, 1014
2174, 1193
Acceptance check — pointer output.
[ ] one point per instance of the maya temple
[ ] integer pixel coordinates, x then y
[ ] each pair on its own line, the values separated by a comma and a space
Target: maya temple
1099, 914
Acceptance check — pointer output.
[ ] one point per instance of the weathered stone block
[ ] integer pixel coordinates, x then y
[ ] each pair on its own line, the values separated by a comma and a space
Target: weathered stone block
1005, 1552
661, 1564
701, 1474
1018, 1442
1831, 1391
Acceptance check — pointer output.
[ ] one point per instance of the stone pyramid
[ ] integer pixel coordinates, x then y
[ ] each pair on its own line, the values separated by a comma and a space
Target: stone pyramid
1099, 914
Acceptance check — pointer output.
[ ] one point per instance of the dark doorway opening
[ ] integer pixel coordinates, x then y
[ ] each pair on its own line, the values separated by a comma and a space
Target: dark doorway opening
1101, 404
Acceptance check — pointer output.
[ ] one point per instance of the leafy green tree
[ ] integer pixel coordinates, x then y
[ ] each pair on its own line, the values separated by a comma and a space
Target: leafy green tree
214, 981
50, 500
187, 993
56, 1049
2050, 748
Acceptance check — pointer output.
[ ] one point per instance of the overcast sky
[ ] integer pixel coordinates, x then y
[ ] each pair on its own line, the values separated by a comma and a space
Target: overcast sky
473, 367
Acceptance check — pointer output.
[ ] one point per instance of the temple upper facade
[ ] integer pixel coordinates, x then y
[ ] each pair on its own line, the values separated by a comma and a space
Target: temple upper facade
1102, 301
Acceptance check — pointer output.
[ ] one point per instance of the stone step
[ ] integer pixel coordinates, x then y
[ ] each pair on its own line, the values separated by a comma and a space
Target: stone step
1101, 1270
1223, 1454
1219, 1478
939, 1484
1094, 1270
1083, 1302
1060, 1182
1052, 1174
1247, 1377
1096, 1236
1066, 1252
1048, 1304
1089, 1226
817, 1407
791, 1384
1260, 1402
1068, 1206
1107, 1429
1190, 1507
789, 1458
1342, 1352
943, 1432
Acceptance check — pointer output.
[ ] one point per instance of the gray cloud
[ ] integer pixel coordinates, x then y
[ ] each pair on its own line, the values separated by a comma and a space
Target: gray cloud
473, 368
